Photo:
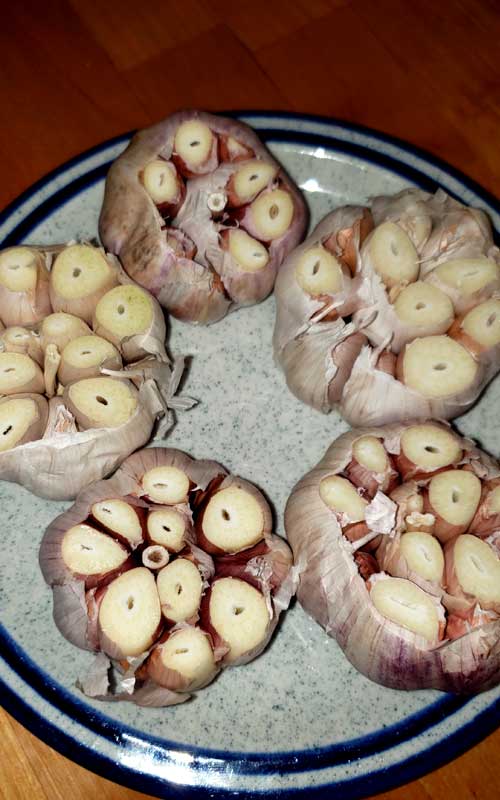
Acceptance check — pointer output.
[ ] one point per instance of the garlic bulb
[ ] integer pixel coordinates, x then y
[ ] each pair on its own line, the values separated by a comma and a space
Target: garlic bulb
133, 577
106, 391
422, 609
201, 215
391, 314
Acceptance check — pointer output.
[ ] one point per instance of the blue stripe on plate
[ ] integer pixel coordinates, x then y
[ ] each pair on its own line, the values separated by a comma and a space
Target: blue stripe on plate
244, 762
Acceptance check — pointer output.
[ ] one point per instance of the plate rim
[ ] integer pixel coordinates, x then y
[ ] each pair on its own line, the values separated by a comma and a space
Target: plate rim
375, 780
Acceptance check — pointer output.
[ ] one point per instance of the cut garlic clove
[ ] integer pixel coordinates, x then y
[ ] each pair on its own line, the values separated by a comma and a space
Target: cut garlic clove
184, 662
425, 308
392, 255
167, 527
426, 448
239, 614
131, 318
61, 328
195, 148
129, 614
404, 603
453, 498
318, 272
476, 568
271, 215
180, 587
249, 254
166, 485
20, 374
468, 275
22, 419
423, 555
24, 286
340, 496
161, 181
232, 521
101, 402
479, 330
88, 553
80, 276
119, 518
84, 356
437, 367
250, 179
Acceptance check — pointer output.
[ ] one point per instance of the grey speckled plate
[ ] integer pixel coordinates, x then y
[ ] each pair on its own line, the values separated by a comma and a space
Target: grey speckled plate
299, 719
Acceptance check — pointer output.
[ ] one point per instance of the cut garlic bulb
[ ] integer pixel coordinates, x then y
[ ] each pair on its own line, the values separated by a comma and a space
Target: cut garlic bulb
176, 616
394, 613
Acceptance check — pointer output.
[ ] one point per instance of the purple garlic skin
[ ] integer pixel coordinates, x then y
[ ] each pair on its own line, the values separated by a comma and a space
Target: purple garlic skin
178, 253
334, 584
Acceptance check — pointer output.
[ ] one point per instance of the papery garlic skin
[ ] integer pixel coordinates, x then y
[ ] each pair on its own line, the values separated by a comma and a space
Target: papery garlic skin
227, 173
167, 618
333, 591
388, 333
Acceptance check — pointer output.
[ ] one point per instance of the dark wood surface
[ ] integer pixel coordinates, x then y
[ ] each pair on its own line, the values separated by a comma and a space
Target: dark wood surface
76, 72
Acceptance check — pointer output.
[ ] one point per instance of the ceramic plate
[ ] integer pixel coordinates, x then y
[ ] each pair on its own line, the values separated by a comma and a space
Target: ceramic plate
300, 719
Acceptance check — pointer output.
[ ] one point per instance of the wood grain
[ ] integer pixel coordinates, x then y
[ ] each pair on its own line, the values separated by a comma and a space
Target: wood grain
76, 72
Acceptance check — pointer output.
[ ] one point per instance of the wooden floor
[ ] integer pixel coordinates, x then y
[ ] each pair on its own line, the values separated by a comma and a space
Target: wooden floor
76, 72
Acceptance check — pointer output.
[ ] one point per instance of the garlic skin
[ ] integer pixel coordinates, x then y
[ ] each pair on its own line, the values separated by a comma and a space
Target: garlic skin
199, 283
350, 343
333, 591
83, 603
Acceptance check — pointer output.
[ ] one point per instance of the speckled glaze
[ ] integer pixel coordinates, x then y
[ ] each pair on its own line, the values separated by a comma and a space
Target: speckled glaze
299, 717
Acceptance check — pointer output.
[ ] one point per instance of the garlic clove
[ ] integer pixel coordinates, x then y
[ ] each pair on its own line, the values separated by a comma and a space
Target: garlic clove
121, 519
479, 329
233, 520
130, 318
184, 661
453, 497
437, 367
392, 255
425, 449
129, 614
473, 567
20, 374
91, 555
406, 604
195, 148
101, 402
84, 356
80, 276
17, 339
168, 485
270, 215
318, 272
60, 329
23, 418
424, 309
423, 554
162, 183
238, 613
24, 286
249, 254
340, 496
250, 179
180, 588
168, 527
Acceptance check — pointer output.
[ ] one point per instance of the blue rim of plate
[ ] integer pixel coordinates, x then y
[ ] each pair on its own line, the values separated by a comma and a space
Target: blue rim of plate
249, 763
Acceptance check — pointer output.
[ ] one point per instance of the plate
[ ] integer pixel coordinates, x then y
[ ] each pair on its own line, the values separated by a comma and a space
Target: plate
300, 719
